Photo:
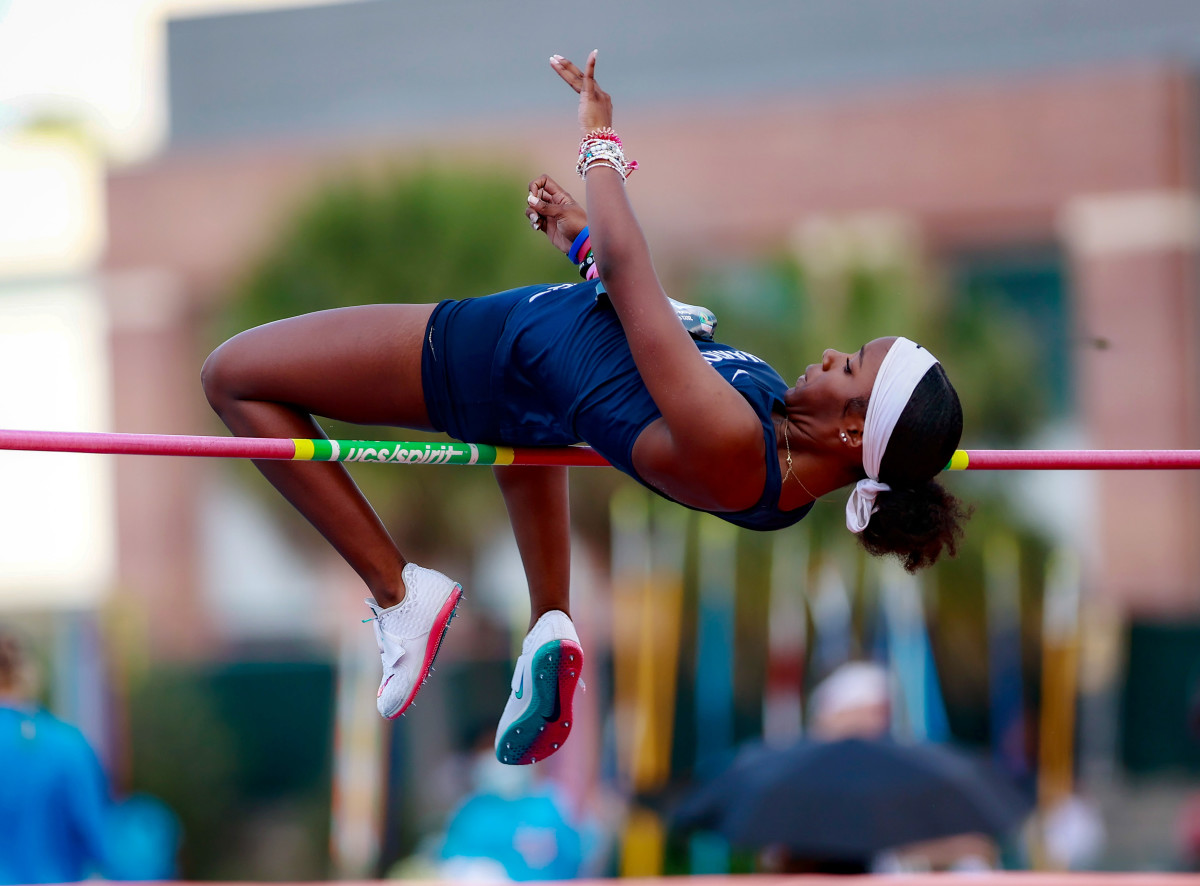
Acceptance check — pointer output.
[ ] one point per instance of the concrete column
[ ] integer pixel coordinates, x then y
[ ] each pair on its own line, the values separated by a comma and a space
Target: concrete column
1134, 260
156, 389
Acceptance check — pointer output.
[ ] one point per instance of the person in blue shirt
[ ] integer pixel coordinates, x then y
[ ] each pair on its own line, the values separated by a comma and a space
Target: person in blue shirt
53, 793
606, 362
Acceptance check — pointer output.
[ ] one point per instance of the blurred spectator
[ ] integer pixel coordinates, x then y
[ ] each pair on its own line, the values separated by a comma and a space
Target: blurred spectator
513, 821
854, 701
143, 840
53, 796
57, 822
512, 826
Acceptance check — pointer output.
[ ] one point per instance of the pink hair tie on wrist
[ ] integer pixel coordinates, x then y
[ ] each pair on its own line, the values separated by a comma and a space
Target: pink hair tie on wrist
606, 133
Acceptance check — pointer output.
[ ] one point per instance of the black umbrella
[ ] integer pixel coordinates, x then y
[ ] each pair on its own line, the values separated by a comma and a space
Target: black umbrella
854, 798
705, 807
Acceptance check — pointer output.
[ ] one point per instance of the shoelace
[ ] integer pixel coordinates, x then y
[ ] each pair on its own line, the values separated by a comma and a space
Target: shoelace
384, 651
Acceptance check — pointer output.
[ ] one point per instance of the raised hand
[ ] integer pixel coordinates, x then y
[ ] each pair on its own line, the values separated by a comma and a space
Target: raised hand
554, 212
595, 105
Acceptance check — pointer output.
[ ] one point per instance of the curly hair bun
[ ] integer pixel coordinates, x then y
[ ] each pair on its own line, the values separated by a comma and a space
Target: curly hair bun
916, 524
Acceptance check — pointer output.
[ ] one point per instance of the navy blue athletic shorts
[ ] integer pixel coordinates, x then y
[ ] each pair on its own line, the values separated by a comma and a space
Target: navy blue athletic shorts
535, 366
458, 363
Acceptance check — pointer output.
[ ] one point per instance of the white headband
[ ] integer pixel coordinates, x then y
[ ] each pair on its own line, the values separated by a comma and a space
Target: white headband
902, 369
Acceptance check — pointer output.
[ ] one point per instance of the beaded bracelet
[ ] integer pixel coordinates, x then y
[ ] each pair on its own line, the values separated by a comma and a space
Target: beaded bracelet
600, 147
617, 163
603, 147
604, 161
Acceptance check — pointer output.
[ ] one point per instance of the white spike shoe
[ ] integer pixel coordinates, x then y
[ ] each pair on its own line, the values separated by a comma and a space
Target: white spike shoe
537, 718
410, 633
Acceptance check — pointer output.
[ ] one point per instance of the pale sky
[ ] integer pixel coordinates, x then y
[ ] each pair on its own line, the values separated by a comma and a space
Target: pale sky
103, 60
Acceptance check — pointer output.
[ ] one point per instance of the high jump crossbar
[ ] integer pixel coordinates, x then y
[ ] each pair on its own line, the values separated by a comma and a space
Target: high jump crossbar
454, 453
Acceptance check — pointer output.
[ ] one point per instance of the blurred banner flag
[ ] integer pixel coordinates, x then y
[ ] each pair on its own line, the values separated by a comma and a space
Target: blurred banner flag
833, 642
1060, 645
715, 642
911, 654
647, 550
1002, 585
358, 759
787, 639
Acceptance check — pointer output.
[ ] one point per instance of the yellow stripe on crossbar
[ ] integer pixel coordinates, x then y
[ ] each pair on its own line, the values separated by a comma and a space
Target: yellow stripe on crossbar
504, 455
960, 461
304, 450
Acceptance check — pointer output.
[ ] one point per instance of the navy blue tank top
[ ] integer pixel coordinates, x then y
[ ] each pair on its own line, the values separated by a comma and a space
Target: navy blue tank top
550, 366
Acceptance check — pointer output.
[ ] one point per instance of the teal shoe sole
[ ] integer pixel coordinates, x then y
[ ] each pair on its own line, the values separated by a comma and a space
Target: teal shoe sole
546, 723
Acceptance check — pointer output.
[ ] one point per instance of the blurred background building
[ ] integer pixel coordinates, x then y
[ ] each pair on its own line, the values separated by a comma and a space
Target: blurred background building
1030, 160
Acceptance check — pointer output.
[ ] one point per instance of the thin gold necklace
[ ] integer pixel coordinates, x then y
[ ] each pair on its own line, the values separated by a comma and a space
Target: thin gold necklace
787, 446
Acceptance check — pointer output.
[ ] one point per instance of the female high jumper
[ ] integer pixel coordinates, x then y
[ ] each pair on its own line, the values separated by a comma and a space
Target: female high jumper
607, 362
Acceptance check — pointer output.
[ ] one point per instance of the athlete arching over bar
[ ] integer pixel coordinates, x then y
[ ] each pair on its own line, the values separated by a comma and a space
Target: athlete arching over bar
606, 361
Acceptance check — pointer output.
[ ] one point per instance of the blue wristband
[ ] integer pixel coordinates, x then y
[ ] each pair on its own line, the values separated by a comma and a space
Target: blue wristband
573, 254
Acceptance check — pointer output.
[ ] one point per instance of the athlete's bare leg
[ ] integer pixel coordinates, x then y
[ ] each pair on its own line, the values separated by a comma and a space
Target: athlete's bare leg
536, 498
360, 364
538, 714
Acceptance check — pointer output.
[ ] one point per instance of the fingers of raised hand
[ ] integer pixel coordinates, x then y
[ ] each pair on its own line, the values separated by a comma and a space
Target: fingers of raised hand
568, 70
590, 70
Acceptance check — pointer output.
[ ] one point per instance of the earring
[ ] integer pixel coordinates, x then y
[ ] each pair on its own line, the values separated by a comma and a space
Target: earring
845, 439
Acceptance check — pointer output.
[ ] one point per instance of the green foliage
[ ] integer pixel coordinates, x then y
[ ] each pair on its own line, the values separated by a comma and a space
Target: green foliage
789, 318
403, 236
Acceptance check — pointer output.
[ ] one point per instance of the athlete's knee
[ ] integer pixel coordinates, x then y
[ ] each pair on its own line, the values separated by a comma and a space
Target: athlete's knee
219, 376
